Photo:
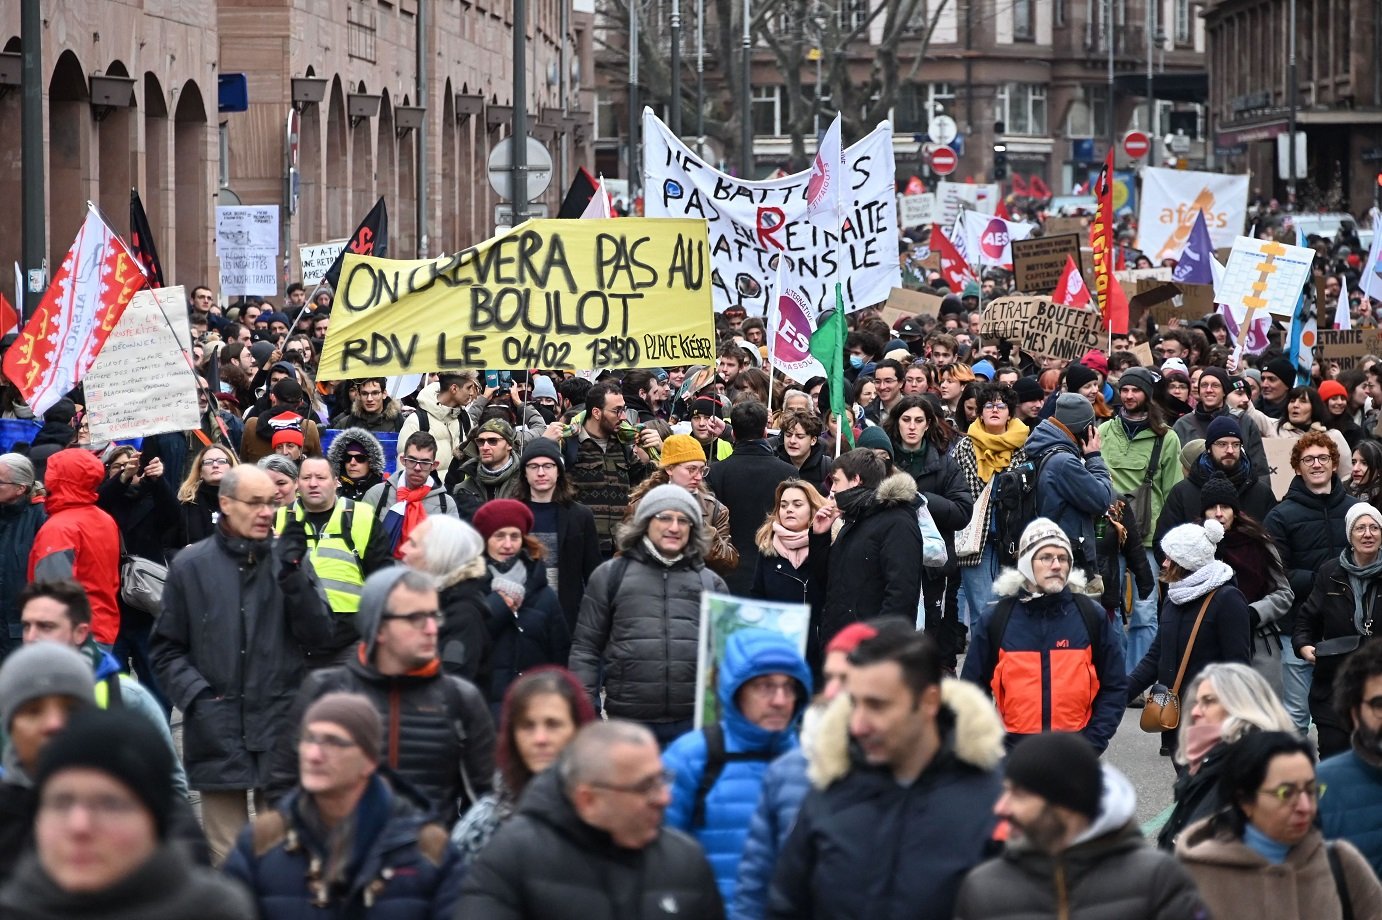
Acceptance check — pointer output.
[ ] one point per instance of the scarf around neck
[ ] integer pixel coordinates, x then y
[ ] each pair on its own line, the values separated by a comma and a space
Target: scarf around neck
413, 511
1199, 583
1200, 739
852, 502
487, 477
1363, 579
994, 452
653, 551
791, 544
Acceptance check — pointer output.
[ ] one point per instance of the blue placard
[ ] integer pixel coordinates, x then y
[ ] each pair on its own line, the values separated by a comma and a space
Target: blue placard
232, 93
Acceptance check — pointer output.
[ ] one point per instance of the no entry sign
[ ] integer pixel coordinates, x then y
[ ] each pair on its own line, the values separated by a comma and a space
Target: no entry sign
944, 161
1136, 144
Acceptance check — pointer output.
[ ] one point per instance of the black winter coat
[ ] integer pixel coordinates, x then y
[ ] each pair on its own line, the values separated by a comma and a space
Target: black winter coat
1224, 636
1130, 550
1196, 796
648, 639
815, 469
1193, 425
746, 481
1308, 530
463, 642
545, 863
146, 512
199, 516
536, 635
578, 555
439, 737
942, 483
1328, 614
873, 568
1183, 501
19, 524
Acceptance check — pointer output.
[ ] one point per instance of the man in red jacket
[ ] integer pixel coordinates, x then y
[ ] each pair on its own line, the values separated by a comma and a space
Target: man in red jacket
80, 541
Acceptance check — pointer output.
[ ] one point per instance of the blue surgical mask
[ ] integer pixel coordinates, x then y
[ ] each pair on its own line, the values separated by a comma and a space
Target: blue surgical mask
856, 361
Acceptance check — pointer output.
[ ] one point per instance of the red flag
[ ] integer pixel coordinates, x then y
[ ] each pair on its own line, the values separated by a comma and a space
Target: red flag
1038, 188
85, 300
1002, 210
915, 186
9, 317
954, 269
1020, 186
1071, 289
1112, 302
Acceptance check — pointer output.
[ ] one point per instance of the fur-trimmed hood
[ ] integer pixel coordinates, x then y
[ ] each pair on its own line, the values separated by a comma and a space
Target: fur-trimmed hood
976, 736
897, 489
336, 452
1010, 583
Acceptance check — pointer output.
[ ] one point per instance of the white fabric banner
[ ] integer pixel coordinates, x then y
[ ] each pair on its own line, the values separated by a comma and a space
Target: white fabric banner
1172, 197
752, 223
990, 240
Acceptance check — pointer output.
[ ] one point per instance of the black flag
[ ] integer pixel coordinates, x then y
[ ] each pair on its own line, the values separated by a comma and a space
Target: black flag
142, 241
371, 238
578, 195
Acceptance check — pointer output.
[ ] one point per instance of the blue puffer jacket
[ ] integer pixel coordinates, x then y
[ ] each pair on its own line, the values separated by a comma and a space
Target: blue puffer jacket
785, 785
749, 653
403, 867
1073, 490
1353, 809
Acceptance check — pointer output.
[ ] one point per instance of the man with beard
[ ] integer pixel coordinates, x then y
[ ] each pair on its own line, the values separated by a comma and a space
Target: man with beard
1278, 375
494, 473
1355, 776
1223, 453
1212, 393
601, 465
1066, 812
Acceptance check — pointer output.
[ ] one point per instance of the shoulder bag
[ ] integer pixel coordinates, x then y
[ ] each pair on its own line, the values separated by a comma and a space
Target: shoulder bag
141, 581
1142, 495
1162, 711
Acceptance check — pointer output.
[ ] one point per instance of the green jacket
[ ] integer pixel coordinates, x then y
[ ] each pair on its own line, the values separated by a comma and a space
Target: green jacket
1127, 465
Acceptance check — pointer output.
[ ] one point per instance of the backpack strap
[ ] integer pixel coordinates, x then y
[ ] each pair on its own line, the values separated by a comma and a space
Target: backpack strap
424, 422
1093, 616
1336, 869
348, 525
716, 757
997, 625
455, 704
618, 566
1154, 461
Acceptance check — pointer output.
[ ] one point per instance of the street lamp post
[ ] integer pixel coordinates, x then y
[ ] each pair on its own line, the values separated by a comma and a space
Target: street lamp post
675, 109
31, 142
746, 98
1151, 92
633, 100
700, 77
1292, 92
518, 191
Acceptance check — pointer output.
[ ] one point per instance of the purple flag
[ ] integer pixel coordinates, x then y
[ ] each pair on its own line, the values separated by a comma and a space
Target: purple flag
1193, 266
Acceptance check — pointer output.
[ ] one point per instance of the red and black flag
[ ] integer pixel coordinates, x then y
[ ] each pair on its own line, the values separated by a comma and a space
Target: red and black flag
371, 238
578, 195
142, 241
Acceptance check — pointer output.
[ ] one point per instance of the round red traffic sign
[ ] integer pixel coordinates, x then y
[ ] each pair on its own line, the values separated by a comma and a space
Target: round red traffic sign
1137, 144
944, 161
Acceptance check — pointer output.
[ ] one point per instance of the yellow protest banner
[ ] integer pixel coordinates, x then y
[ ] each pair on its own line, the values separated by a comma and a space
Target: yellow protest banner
551, 294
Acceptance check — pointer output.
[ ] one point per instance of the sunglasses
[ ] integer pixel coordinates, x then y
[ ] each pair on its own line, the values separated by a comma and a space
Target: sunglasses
356, 458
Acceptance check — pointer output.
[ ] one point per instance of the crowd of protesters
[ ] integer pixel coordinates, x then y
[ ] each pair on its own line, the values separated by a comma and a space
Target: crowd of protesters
431, 649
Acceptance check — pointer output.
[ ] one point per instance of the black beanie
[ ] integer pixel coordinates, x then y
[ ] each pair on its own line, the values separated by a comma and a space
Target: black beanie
1077, 375
1062, 769
1028, 389
122, 745
1217, 490
1284, 370
543, 447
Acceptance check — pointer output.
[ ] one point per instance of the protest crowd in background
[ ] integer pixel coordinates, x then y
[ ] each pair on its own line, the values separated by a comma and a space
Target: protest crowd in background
441, 644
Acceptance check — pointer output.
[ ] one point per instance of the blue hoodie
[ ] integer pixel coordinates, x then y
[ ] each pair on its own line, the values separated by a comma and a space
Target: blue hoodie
1074, 490
749, 653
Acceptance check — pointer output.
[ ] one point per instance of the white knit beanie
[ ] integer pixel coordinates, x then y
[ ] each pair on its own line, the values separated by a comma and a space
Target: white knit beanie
1362, 509
1040, 532
1191, 546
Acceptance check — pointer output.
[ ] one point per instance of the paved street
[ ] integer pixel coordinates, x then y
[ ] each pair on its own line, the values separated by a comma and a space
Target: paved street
1135, 753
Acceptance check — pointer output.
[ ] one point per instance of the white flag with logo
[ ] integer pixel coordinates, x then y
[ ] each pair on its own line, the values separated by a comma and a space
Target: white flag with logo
823, 194
990, 240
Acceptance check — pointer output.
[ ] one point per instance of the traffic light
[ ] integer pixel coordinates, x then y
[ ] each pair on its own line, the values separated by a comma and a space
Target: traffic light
1000, 161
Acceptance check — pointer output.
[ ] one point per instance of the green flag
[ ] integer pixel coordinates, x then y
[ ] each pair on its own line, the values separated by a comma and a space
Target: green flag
828, 347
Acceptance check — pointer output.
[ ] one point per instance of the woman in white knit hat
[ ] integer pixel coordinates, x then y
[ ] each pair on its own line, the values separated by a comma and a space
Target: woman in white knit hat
1341, 614
1199, 588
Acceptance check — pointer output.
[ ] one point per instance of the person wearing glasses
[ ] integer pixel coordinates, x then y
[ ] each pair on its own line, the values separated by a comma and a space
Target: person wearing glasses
414, 493
1338, 619
238, 609
441, 411
683, 463
494, 472
763, 686
358, 459
401, 865
372, 409
440, 737
198, 496
641, 616
588, 841
1045, 651
1308, 528
1355, 775
1261, 855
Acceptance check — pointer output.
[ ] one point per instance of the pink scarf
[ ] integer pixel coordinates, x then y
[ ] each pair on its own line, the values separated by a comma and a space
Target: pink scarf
791, 544
1200, 739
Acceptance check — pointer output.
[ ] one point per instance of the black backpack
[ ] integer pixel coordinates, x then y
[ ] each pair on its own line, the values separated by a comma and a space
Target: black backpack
1014, 504
715, 759
1092, 614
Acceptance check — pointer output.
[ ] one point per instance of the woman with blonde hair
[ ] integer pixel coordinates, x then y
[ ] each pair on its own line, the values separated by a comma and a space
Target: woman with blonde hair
1227, 701
199, 495
784, 570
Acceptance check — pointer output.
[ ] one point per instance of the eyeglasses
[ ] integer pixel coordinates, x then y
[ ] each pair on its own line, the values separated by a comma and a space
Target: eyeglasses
1375, 704
1289, 793
695, 471
356, 458
647, 788
1053, 559
1315, 460
417, 619
490, 442
543, 467
100, 808
769, 689
995, 405
371, 394
5, 483
418, 463
671, 517
326, 742
215, 461
1230, 446
1367, 529
259, 504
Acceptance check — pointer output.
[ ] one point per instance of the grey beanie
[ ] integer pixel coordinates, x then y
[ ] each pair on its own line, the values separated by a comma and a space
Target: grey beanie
1074, 412
667, 498
43, 669
374, 597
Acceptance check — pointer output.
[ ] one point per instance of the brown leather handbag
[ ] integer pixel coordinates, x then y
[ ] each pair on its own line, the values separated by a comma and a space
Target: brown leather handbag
1162, 711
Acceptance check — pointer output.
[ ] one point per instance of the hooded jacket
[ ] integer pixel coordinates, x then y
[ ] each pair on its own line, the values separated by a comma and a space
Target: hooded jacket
1108, 873
545, 863
1074, 488
1195, 425
80, 541
1308, 530
873, 568
51, 438
358, 489
730, 803
388, 420
865, 846
1049, 673
20, 523
389, 508
1183, 503
941, 481
448, 424
745, 481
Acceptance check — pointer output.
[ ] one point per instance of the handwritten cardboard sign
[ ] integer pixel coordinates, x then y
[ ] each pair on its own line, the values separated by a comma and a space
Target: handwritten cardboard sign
1347, 347
247, 247
904, 303
559, 294
1039, 263
141, 384
316, 260
1041, 327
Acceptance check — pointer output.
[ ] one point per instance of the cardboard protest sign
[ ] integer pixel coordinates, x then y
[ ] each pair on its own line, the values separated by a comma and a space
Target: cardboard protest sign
1171, 300
1278, 452
314, 261
722, 615
1039, 263
916, 210
560, 294
753, 223
141, 383
1042, 328
904, 303
1058, 226
1143, 352
247, 247
1171, 199
1347, 347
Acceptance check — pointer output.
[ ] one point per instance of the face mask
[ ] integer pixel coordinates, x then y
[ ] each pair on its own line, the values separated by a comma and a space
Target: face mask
856, 361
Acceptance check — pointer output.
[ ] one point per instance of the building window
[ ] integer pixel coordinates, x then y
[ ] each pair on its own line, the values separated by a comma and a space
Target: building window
1183, 36
1098, 109
767, 110
606, 120
909, 112
1022, 107
361, 26
853, 14
1024, 21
